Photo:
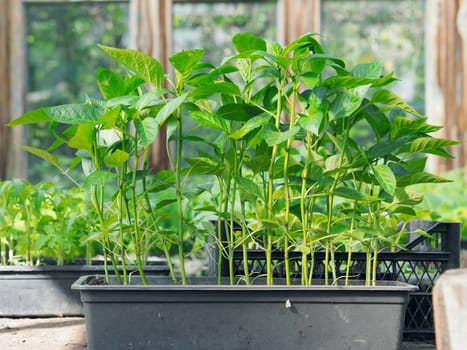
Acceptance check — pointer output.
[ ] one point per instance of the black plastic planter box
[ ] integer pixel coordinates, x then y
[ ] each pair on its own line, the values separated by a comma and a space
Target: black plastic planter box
46, 291
421, 263
201, 316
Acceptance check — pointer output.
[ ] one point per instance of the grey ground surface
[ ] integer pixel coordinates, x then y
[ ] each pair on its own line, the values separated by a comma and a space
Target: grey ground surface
42, 333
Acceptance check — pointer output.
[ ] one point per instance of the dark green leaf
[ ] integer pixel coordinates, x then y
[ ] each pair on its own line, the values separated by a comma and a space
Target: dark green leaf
238, 111
352, 194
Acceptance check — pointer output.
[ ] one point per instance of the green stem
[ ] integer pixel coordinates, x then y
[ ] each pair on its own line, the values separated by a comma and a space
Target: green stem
375, 265
233, 199
169, 262
286, 184
368, 268
270, 201
136, 223
178, 189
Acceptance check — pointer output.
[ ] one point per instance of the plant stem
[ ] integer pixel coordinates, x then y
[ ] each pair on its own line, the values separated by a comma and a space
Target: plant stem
136, 223
178, 189
292, 117
270, 201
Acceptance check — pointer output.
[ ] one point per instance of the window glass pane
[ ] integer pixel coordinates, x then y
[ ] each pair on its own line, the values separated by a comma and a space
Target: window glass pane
389, 31
211, 26
62, 58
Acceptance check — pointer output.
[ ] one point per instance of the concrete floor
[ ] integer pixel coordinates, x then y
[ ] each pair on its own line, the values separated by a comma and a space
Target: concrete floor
43, 333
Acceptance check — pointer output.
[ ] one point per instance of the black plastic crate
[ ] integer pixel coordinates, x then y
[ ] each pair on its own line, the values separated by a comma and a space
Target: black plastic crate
423, 261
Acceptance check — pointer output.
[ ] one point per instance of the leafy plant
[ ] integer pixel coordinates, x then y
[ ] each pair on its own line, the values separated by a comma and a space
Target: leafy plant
39, 222
112, 138
289, 168
293, 170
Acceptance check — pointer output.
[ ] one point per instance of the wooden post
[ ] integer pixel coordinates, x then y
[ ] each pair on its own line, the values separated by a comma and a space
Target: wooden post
445, 88
151, 32
12, 96
462, 113
297, 17
4, 88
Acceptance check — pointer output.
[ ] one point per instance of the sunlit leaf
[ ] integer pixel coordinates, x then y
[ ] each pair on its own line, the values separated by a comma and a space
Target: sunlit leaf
385, 177
140, 63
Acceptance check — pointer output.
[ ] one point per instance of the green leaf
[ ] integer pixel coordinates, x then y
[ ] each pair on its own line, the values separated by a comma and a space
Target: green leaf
147, 130
43, 154
110, 84
142, 64
249, 187
251, 125
417, 178
370, 70
116, 158
274, 137
426, 144
385, 177
312, 122
383, 149
109, 118
216, 87
345, 104
238, 111
33, 117
184, 61
209, 120
402, 209
98, 177
203, 165
377, 120
405, 126
73, 113
150, 99
350, 193
120, 101
408, 198
84, 137
324, 57
169, 109
246, 42
387, 97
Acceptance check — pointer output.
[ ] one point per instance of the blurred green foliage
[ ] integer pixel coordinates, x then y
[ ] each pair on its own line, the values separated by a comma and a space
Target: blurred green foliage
211, 26
446, 202
42, 223
62, 57
389, 31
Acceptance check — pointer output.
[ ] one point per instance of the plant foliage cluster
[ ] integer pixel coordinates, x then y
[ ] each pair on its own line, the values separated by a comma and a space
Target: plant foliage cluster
287, 169
39, 222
